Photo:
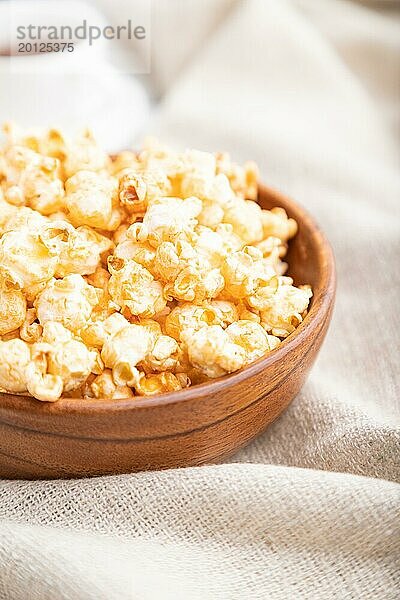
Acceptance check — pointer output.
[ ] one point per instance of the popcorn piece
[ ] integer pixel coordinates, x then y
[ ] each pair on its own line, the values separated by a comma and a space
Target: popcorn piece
157, 157
170, 259
99, 278
137, 190
245, 218
124, 350
198, 163
192, 164
72, 361
89, 200
132, 192
211, 214
225, 312
40, 384
260, 298
189, 274
104, 387
81, 253
69, 301
245, 271
143, 346
216, 245
252, 338
207, 186
194, 285
95, 333
273, 250
27, 257
6, 213
33, 180
13, 218
243, 180
168, 219
161, 383
285, 309
12, 306
54, 234
164, 354
58, 363
187, 317
275, 222
30, 330
131, 247
124, 160
132, 286
14, 359
215, 351
83, 154
49, 143
215, 192
190, 317
211, 350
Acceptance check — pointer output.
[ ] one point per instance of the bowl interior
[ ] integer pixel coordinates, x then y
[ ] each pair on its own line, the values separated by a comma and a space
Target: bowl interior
310, 261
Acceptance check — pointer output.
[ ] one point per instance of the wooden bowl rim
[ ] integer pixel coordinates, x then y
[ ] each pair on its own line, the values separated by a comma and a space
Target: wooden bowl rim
317, 314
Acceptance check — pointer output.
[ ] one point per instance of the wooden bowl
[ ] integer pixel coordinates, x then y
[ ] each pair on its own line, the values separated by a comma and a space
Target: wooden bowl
202, 424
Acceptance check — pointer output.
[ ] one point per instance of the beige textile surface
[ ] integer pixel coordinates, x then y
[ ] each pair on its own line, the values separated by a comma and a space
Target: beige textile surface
311, 509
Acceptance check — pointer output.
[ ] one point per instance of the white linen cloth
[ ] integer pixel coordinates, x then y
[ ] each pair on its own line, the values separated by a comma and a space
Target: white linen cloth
311, 509
45, 90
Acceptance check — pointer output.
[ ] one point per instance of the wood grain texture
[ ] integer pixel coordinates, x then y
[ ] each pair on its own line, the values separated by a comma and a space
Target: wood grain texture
202, 424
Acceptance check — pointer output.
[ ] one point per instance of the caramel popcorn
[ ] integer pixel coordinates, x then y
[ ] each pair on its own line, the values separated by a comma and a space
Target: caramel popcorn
138, 190
69, 301
32, 180
245, 216
168, 219
30, 330
12, 218
275, 222
245, 272
83, 154
97, 331
133, 287
124, 350
137, 275
103, 386
285, 308
81, 249
161, 383
211, 350
89, 200
12, 306
27, 257
15, 357
68, 358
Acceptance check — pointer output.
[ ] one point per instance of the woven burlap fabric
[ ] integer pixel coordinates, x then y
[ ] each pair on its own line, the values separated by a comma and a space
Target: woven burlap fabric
311, 509
238, 531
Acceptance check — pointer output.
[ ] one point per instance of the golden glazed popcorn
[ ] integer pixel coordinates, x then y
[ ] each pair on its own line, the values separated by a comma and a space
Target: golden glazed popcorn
135, 275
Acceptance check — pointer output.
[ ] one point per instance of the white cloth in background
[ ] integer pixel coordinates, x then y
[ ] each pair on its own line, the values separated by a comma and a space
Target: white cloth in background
308, 89
44, 90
